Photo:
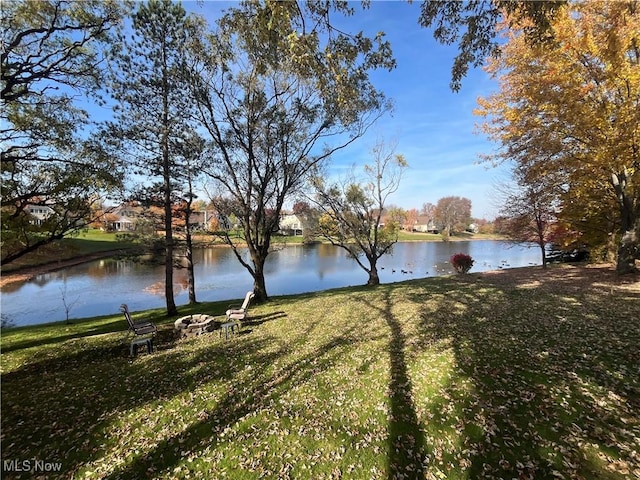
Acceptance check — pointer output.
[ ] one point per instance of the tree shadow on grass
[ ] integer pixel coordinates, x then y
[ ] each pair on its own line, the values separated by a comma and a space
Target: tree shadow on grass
405, 444
69, 408
243, 399
81, 351
255, 320
89, 387
553, 369
40, 335
36, 340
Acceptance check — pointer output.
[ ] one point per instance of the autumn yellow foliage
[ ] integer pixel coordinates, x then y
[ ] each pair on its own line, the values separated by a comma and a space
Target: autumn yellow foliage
570, 108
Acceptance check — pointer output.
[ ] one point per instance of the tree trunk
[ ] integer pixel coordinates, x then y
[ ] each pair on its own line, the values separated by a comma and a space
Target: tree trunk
374, 278
168, 233
191, 279
168, 263
543, 253
627, 252
628, 246
259, 285
168, 201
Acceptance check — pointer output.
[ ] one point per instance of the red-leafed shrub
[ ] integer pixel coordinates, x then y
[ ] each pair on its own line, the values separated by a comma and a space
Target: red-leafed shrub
461, 262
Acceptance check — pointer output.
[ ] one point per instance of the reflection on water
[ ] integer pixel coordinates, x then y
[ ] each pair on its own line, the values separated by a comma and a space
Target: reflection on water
102, 285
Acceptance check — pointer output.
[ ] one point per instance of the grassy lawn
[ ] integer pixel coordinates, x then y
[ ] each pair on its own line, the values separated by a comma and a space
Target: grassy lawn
84, 243
513, 374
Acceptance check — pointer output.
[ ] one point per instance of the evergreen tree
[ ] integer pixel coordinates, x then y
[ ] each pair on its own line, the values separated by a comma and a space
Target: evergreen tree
150, 85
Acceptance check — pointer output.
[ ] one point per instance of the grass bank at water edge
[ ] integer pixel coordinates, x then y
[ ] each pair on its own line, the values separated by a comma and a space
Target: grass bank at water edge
513, 374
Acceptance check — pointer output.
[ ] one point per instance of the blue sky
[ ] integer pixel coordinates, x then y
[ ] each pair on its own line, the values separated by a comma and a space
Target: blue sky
434, 127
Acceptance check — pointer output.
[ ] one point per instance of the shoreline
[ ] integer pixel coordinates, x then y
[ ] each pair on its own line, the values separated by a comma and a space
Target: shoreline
27, 273
573, 277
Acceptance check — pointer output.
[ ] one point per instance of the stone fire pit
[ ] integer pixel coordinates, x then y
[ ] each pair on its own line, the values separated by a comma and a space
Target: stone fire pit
194, 325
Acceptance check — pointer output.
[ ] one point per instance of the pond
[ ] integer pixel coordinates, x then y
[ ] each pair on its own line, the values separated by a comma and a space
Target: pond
99, 287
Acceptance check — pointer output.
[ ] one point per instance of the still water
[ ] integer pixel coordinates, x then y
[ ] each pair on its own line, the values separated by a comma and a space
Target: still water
99, 287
